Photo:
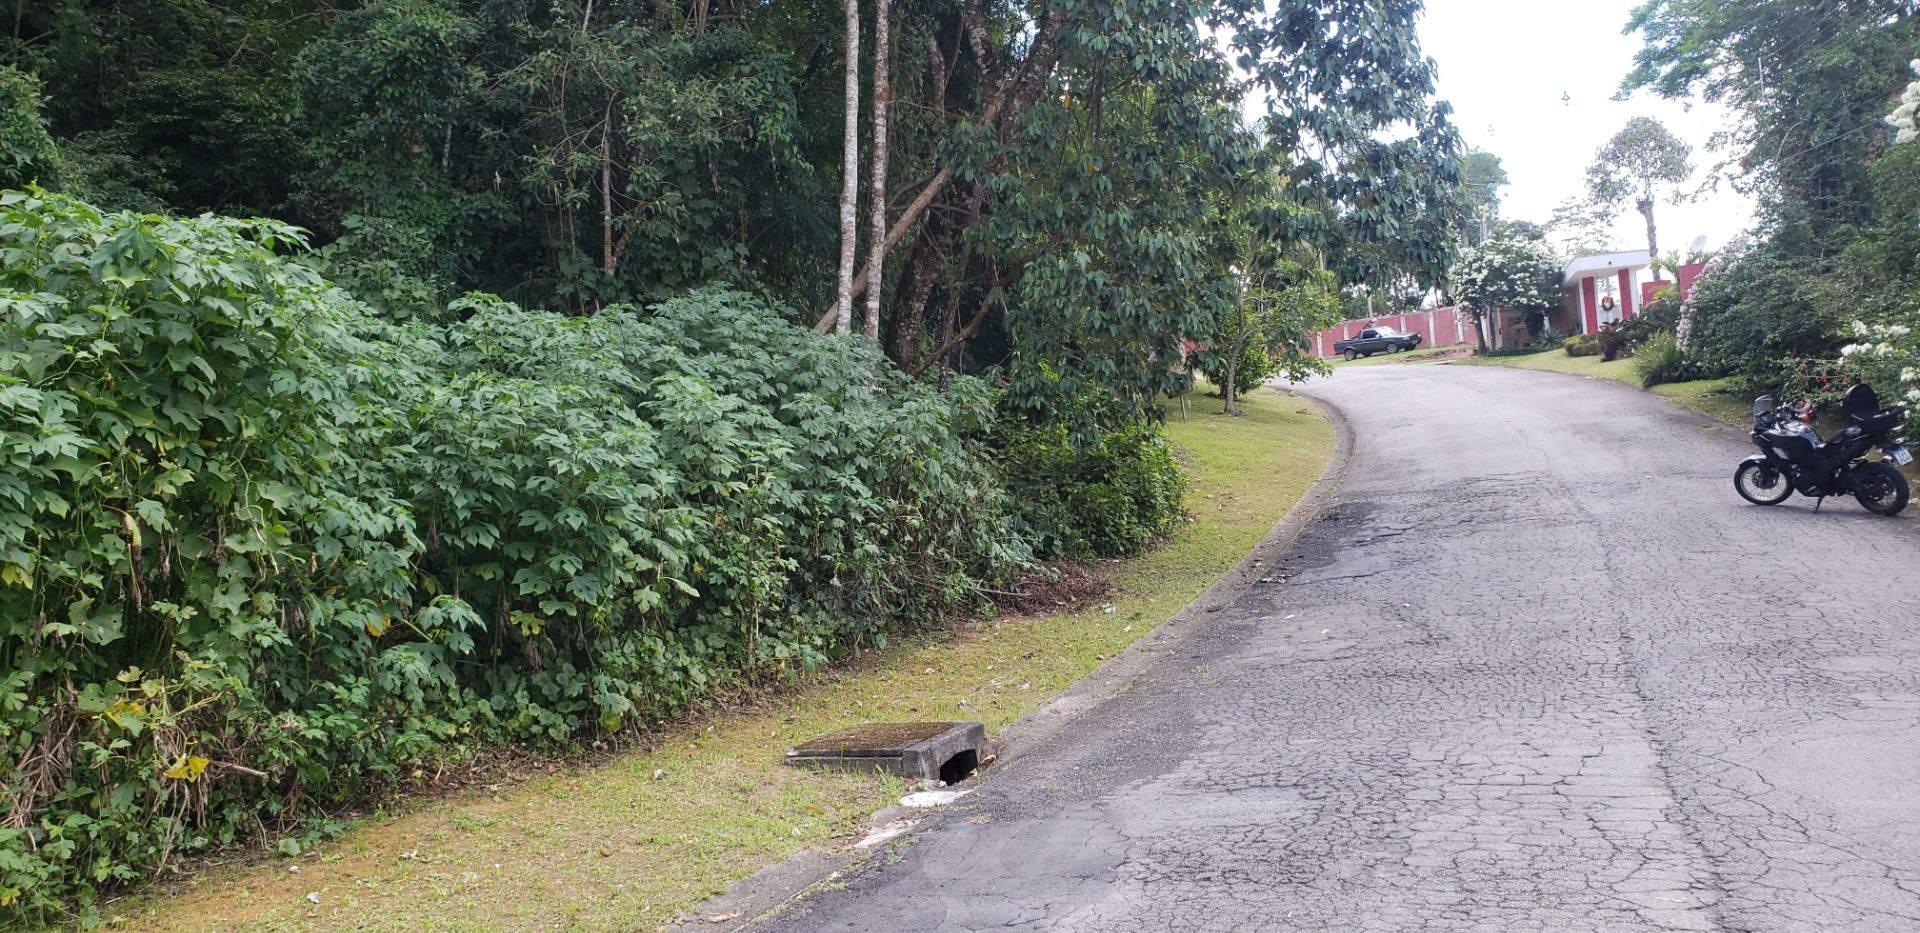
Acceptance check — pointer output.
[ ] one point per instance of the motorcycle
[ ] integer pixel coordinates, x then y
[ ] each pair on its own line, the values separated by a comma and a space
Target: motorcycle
1793, 457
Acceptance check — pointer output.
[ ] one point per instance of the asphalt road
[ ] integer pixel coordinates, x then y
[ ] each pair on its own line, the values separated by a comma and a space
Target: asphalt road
1539, 669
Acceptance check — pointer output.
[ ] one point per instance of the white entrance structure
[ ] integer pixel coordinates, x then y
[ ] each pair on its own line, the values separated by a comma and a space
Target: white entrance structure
1591, 280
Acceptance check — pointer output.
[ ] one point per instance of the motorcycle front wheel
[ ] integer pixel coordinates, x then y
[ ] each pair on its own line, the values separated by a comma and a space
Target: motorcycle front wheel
1760, 483
1880, 488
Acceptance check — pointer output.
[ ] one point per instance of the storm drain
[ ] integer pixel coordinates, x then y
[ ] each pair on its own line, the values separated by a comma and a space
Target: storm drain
931, 751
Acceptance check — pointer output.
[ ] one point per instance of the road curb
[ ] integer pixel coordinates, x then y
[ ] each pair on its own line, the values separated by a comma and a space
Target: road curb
767, 892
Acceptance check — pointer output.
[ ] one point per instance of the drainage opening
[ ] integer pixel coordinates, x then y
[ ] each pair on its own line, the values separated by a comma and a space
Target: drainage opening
959, 767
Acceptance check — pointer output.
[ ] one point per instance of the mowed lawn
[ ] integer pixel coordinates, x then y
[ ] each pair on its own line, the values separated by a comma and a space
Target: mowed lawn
634, 843
1711, 397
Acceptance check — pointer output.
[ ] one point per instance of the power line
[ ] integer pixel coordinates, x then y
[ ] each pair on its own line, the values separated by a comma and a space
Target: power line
1877, 121
1822, 21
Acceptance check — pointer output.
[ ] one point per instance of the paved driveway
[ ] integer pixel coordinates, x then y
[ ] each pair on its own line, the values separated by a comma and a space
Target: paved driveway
1539, 669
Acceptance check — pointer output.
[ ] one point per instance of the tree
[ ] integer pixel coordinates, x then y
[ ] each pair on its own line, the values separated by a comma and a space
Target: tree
1810, 77
579, 155
1516, 275
1644, 163
1482, 175
1284, 298
1270, 329
849, 171
882, 97
1579, 226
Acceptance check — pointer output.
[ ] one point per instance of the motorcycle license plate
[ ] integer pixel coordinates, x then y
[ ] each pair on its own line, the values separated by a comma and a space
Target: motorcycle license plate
1900, 456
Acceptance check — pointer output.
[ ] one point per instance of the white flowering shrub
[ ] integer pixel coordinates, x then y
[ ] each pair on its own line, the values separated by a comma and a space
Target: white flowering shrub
1885, 356
1888, 355
1905, 119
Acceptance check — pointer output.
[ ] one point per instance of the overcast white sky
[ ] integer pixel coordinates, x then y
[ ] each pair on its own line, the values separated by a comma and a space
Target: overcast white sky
1506, 64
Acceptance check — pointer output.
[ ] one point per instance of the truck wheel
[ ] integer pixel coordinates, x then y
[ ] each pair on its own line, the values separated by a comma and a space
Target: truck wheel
1352, 354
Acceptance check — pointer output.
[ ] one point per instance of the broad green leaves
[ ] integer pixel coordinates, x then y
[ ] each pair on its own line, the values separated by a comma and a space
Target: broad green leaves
246, 526
27, 153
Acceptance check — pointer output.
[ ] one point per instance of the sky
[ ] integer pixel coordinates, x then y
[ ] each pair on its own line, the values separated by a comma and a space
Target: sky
1532, 81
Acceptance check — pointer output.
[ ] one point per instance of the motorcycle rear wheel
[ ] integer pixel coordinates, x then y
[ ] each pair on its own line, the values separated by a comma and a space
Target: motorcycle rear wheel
1882, 490
1761, 483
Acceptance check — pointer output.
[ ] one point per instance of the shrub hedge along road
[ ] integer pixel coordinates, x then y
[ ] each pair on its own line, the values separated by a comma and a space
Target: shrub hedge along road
262, 551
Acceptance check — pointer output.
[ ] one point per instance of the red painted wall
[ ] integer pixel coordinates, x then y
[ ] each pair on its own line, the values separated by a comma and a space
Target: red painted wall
1687, 275
1437, 328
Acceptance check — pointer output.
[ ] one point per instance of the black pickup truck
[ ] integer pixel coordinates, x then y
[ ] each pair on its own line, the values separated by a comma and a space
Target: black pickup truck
1375, 340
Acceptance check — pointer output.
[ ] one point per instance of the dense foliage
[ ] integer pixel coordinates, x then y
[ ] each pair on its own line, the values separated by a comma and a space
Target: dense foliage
1056, 171
338, 536
258, 548
1837, 244
27, 151
1109, 500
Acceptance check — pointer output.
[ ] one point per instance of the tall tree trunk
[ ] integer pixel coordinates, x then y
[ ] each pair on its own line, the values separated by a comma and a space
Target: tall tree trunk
849, 173
1010, 98
1233, 375
1653, 243
1480, 332
882, 96
1241, 333
609, 256
910, 319
951, 321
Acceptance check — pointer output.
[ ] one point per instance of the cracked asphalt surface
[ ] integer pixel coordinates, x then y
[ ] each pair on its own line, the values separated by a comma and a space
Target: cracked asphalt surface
1538, 668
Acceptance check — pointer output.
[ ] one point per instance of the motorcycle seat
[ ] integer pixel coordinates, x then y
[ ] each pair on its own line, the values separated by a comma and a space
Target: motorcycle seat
1875, 422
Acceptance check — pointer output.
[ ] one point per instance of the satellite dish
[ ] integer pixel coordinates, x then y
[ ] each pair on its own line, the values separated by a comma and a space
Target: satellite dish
1699, 244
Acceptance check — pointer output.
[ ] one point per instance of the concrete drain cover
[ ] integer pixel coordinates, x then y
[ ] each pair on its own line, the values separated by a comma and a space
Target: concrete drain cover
933, 751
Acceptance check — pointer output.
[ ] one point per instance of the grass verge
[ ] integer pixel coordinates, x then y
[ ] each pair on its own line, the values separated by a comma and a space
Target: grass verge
1710, 397
633, 843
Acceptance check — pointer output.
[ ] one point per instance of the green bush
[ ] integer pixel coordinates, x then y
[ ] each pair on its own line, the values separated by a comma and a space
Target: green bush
1660, 360
1757, 307
1583, 345
27, 152
261, 551
1112, 499
1660, 316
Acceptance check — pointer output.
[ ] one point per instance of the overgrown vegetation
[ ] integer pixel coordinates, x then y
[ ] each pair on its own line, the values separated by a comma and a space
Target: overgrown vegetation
712, 803
27, 152
1837, 243
260, 550
1110, 500
270, 542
